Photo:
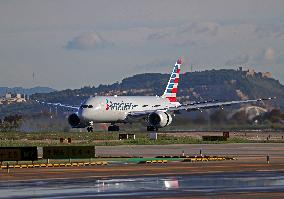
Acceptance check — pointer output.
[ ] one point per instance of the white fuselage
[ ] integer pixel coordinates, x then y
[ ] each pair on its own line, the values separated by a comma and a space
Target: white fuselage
108, 109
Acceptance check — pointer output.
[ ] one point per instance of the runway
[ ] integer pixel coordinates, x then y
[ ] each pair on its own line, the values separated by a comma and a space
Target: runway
198, 185
231, 149
249, 175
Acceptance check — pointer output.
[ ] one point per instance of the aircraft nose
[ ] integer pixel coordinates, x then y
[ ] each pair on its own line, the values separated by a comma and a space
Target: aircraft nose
84, 114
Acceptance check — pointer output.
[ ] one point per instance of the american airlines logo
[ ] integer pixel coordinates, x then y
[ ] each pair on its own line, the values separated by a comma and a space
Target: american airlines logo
119, 106
108, 104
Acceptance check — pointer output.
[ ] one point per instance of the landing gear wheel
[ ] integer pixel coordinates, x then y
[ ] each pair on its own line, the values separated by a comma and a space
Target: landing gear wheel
90, 129
152, 128
113, 128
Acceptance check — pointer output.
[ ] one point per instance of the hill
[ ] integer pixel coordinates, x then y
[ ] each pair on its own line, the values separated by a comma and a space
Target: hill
194, 86
27, 91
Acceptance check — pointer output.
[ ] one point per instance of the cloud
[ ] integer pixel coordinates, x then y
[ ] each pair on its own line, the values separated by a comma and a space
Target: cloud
158, 36
87, 41
199, 28
239, 60
266, 56
182, 35
157, 65
269, 54
265, 31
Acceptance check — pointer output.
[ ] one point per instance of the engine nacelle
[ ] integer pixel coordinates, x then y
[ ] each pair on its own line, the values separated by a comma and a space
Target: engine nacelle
159, 119
75, 121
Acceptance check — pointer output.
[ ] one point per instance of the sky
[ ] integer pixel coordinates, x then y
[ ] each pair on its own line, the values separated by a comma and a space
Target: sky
76, 43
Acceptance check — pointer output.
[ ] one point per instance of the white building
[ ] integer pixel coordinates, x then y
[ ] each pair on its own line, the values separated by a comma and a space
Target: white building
12, 98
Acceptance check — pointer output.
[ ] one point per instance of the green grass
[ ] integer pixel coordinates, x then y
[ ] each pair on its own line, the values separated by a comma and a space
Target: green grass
106, 139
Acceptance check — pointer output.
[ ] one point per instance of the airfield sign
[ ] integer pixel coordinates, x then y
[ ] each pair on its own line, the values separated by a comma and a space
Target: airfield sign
18, 153
65, 152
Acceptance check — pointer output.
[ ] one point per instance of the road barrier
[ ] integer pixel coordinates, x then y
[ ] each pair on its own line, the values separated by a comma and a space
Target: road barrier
78, 164
207, 158
153, 162
173, 156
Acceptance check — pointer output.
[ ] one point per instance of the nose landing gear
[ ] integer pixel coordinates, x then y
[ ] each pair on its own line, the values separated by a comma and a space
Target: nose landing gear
90, 129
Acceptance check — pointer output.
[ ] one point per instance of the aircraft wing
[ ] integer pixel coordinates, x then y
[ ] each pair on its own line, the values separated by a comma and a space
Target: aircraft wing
193, 107
58, 105
214, 104
139, 113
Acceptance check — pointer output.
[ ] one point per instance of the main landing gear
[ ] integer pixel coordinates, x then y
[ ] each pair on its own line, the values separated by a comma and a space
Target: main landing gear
113, 128
90, 129
152, 128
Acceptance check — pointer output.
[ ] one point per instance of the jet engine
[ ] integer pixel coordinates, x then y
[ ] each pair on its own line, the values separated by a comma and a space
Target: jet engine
159, 119
74, 121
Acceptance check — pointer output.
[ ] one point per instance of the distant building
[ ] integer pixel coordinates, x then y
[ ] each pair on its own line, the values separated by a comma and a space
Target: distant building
251, 72
13, 98
8, 96
266, 75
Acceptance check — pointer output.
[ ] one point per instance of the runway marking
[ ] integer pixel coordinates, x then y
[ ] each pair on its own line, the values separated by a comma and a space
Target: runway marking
51, 170
186, 170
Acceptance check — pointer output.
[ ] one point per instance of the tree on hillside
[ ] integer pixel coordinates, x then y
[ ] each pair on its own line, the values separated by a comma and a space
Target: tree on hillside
274, 116
10, 122
239, 118
219, 117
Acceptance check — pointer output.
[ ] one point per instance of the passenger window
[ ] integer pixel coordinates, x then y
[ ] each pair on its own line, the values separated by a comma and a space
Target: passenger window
84, 106
157, 105
90, 106
145, 105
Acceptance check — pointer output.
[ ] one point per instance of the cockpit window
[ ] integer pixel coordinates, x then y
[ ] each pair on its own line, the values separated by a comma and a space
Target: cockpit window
86, 106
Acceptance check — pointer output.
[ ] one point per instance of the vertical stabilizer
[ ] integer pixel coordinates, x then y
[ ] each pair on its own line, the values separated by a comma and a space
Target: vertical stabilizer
172, 87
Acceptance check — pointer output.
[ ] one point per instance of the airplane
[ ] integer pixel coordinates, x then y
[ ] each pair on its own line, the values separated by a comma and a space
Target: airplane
156, 111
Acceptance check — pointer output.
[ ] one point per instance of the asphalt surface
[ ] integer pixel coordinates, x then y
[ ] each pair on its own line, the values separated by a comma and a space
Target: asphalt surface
254, 150
248, 177
208, 185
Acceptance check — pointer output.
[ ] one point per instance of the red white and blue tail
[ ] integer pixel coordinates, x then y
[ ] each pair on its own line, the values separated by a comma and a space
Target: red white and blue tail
172, 87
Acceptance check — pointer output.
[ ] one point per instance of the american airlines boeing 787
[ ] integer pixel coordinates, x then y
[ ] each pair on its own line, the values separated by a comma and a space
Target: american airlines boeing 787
156, 111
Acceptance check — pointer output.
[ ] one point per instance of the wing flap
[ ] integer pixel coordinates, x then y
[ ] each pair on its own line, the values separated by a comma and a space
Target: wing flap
208, 105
